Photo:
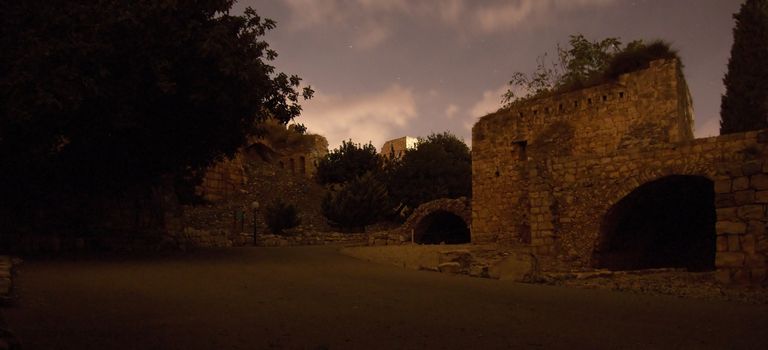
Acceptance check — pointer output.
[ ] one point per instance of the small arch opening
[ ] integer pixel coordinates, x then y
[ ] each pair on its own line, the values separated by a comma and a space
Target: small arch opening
669, 222
441, 227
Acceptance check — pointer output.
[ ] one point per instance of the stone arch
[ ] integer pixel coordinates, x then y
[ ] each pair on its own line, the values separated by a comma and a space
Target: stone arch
668, 221
438, 215
292, 164
302, 165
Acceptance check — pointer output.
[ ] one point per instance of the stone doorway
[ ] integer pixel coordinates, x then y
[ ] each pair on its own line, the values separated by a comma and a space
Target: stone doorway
441, 227
669, 222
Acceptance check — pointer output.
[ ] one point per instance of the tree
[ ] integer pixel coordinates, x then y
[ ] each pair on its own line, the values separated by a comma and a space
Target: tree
360, 202
98, 98
280, 216
584, 63
745, 103
439, 167
349, 161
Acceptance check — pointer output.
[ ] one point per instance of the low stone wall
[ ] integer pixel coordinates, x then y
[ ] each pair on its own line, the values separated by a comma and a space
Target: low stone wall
6, 277
199, 238
312, 238
391, 237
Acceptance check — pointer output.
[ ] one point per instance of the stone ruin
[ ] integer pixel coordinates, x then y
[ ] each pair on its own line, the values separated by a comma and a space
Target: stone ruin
611, 176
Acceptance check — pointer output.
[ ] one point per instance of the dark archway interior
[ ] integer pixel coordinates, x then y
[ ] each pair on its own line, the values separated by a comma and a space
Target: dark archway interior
442, 227
669, 222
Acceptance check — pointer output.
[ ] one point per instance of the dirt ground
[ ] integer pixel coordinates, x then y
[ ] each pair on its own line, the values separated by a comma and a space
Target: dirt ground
672, 282
316, 298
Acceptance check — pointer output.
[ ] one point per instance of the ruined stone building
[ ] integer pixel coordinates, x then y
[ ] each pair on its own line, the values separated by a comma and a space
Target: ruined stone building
298, 157
395, 148
611, 176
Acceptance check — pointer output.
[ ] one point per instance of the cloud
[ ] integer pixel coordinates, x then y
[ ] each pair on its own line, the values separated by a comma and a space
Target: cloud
505, 15
370, 37
488, 103
451, 111
709, 127
375, 117
374, 21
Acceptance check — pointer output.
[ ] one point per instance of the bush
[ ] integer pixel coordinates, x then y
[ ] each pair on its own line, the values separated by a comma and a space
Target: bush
280, 216
636, 56
349, 161
360, 202
439, 167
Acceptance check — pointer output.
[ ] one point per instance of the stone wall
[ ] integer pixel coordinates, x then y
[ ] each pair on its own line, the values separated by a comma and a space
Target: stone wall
546, 173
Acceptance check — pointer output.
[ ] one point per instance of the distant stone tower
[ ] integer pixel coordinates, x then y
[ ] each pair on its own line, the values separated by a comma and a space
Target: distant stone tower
395, 148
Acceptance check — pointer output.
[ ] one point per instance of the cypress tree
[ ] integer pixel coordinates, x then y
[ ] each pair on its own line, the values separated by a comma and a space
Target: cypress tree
745, 103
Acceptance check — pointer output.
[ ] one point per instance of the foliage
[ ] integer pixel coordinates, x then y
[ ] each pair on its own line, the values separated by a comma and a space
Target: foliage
745, 103
439, 167
281, 137
99, 97
280, 216
348, 162
358, 203
299, 128
584, 63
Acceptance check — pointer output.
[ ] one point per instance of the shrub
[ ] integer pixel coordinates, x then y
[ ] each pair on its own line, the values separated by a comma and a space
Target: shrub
280, 216
349, 161
439, 167
360, 202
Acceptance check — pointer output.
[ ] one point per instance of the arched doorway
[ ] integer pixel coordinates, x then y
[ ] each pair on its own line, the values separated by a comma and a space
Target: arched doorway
669, 222
441, 227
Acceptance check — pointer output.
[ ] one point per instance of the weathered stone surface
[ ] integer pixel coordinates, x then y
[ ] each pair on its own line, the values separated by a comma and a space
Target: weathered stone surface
546, 172
723, 186
751, 212
519, 267
461, 256
730, 227
740, 183
729, 259
450, 267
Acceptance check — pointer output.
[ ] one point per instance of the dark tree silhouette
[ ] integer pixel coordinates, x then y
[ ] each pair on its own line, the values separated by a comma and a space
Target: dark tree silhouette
439, 167
745, 103
349, 161
99, 97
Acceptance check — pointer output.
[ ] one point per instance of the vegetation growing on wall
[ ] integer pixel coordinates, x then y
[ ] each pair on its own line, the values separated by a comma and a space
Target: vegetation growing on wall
585, 63
745, 103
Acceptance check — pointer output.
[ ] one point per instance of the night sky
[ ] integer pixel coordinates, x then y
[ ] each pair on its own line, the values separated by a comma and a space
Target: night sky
388, 68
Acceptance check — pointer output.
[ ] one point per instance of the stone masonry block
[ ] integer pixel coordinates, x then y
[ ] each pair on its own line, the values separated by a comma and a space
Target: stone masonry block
725, 200
744, 197
729, 259
759, 181
723, 275
756, 228
723, 186
722, 243
740, 183
755, 260
751, 212
759, 275
730, 227
748, 243
761, 196
734, 243
752, 168
724, 214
